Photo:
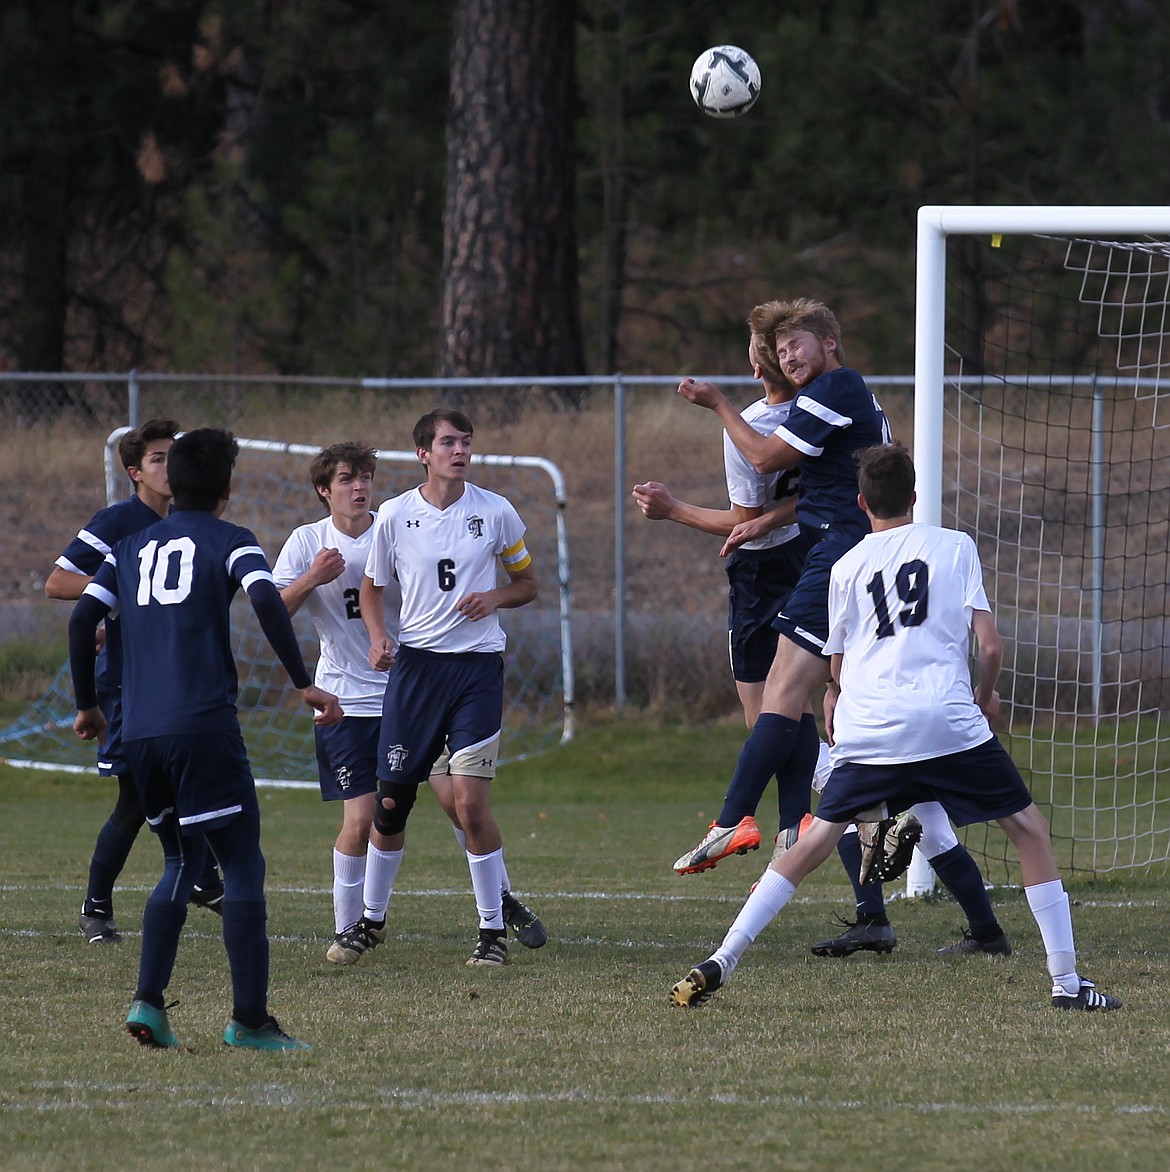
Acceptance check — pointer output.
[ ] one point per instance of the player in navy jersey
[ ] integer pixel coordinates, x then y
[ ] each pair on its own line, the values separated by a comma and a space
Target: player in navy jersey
444, 543
143, 452
321, 568
173, 584
906, 724
833, 416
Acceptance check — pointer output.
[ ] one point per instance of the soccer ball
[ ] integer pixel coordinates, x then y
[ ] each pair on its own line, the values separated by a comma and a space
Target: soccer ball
725, 81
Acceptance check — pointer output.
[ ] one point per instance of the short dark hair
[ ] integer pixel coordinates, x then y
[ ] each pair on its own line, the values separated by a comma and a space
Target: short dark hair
359, 457
425, 428
885, 477
132, 446
199, 467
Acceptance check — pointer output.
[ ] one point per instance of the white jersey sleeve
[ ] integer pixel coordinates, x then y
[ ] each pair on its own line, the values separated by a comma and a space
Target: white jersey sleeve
759, 490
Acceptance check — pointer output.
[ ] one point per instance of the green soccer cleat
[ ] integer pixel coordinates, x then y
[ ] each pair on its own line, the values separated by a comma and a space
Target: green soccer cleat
150, 1026
269, 1036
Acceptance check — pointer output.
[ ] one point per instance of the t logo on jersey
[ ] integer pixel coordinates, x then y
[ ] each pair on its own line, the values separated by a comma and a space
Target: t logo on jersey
475, 526
344, 777
396, 757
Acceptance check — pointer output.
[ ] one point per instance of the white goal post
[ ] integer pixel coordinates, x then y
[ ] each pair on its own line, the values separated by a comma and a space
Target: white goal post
1100, 389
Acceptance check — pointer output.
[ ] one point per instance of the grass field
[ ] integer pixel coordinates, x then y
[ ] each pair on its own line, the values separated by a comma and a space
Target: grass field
570, 1057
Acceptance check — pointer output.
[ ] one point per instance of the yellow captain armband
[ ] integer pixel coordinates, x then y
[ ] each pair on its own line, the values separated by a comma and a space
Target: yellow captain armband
516, 557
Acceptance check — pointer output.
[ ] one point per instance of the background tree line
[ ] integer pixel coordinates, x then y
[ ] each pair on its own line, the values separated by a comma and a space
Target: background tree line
474, 187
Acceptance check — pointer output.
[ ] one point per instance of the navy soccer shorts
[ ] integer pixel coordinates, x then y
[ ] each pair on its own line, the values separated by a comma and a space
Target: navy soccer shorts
203, 777
347, 758
805, 617
976, 785
759, 582
435, 699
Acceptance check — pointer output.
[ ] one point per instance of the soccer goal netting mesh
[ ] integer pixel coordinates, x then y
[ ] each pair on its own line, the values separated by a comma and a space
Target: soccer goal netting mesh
1056, 459
271, 495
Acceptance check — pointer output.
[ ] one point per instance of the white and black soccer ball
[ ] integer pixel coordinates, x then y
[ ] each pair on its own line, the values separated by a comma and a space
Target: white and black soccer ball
725, 81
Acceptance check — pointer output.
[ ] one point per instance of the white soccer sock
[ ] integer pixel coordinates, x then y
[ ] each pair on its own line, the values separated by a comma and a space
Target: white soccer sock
1049, 904
381, 871
487, 883
461, 839
349, 876
763, 905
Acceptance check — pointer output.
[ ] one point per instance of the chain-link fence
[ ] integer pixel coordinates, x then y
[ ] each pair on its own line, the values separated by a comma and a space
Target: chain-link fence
648, 598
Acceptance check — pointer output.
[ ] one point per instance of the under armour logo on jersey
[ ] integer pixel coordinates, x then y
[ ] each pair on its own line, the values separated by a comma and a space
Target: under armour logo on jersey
396, 757
413, 524
475, 526
344, 776
486, 762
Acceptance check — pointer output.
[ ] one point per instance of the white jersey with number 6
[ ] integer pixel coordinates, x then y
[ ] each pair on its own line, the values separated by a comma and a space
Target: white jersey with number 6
900, 609
439, 556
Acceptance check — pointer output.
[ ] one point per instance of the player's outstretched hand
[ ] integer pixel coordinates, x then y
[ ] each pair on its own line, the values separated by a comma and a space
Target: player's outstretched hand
654, 500
744, 531
701, 394
90, 724
326, 704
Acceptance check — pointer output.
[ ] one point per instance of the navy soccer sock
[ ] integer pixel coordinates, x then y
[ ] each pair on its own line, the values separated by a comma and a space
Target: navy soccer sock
110, 852
958, 873
245, 937
767, 749
794, 784
871, 903
162, 922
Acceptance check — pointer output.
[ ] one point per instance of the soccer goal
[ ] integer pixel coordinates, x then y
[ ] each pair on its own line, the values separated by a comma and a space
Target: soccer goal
271, 495
1042, 346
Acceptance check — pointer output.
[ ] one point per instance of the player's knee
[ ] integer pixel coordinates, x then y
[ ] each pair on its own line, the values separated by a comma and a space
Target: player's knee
393, 808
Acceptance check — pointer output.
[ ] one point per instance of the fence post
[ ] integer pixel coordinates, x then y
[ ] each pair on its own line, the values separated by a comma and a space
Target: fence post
619, 542
133, 400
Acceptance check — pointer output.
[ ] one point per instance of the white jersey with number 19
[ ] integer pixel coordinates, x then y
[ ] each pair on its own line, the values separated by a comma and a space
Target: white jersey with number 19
439, 556
900, 608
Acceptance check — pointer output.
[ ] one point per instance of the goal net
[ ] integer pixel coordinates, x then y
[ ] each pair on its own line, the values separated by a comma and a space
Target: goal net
1041, 428
271, 495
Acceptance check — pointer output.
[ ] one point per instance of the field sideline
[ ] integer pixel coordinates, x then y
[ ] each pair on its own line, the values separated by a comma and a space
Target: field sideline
570, 1057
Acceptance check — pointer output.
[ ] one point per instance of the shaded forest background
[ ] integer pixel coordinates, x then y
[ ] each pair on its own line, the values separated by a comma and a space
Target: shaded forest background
524, 187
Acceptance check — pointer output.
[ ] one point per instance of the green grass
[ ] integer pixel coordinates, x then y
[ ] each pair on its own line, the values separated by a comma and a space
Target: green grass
570, 1057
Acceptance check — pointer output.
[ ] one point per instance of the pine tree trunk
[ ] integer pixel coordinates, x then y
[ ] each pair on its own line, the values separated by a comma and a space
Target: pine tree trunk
510, 299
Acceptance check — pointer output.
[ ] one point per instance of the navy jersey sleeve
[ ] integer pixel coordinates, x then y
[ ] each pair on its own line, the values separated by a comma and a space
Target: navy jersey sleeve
278, 629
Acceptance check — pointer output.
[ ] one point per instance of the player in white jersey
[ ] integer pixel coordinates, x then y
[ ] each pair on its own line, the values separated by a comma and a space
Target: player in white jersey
762, 572
906, 724
444, 542
321, 568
